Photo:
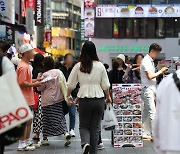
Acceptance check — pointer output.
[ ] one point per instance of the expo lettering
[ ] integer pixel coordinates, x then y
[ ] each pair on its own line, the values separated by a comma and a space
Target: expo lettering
8, 119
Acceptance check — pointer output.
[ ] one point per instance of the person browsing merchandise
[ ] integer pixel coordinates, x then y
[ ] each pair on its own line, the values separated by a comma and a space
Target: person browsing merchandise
148, 81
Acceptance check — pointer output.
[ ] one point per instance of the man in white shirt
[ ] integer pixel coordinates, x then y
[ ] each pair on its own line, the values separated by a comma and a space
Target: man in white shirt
148, 80
167, 119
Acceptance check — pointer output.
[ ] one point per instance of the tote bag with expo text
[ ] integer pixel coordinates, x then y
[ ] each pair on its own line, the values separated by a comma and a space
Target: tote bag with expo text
13, 106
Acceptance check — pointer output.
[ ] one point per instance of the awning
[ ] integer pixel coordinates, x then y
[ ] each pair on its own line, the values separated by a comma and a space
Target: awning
14, 26
39, 51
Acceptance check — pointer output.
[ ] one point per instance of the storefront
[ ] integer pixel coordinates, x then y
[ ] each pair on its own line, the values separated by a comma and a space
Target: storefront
130, 29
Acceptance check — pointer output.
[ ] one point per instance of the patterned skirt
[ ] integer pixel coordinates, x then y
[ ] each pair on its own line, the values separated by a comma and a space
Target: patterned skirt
54, 123
38, 117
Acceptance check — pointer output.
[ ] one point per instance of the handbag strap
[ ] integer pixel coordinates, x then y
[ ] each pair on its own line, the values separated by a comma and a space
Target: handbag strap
1, 57
176, 80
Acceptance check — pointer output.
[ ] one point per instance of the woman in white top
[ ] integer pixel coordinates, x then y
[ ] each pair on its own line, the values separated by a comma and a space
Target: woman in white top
93, 79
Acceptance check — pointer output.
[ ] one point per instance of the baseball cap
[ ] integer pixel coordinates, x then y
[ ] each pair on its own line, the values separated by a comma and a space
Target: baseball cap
121, 56
25, 47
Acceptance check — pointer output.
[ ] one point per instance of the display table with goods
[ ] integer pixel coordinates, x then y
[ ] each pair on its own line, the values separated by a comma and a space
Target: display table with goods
127, 106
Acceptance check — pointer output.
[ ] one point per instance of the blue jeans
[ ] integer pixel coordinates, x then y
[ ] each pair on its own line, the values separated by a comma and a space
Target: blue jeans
72, 116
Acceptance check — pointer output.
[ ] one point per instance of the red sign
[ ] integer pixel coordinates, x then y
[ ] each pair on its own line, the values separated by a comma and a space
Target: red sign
8, 119
31, 4
48, 36
23, 8
89, 3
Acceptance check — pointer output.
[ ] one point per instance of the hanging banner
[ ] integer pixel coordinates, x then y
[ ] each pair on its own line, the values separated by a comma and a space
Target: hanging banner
29, 21
127, 106
39, 13
89, 22
139, 11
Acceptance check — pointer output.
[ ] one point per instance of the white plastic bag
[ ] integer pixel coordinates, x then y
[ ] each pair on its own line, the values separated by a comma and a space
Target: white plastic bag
110, 121
13, 106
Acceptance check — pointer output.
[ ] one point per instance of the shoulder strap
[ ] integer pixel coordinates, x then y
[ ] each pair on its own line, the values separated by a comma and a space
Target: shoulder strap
1, 57
176, 80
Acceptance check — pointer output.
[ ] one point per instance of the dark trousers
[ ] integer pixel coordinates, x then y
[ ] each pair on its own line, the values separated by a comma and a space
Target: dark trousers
72, 116
1, 149
90, 115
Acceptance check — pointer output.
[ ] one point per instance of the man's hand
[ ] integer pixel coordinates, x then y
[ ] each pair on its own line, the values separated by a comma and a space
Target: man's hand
164, 70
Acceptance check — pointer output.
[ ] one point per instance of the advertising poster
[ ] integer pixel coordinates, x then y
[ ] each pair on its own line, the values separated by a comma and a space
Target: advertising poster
139, 11
127, 107
89, 22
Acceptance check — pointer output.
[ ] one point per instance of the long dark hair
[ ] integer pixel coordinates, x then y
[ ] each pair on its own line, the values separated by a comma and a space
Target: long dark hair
37, 65
135, 62
38, 60
48, 63
88, 55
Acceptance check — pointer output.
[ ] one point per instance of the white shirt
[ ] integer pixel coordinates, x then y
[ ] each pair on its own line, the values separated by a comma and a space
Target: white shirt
91, 85
7, 65
167, 119
147, 65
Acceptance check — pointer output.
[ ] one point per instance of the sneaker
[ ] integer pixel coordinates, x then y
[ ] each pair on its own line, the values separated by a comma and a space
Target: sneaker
101, 146
147, 137
30, 148
22, 146
86, 149
45, 142
67, 138
29, 142
36, 142
72, 133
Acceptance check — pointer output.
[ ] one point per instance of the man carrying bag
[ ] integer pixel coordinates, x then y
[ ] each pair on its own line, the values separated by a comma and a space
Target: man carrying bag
14, 111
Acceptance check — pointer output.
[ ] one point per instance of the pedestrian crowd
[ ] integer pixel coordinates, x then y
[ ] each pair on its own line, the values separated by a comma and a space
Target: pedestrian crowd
54, 89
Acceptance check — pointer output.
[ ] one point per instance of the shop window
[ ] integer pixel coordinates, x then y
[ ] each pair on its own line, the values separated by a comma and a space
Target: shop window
136, 27
115, 28
142, 1
122, 28
151, 28
160, 28
177, 27
143, 28
103, 28
129, 28
170, 27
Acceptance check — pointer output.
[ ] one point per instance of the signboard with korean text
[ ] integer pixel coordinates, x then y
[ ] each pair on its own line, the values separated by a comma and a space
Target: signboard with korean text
127, 107
137, 11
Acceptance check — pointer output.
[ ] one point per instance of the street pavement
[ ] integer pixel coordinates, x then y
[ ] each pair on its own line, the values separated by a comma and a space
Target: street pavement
57, 146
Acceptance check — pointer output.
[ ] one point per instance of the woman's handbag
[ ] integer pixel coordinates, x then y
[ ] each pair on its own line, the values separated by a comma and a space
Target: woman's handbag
63, 86
110, 121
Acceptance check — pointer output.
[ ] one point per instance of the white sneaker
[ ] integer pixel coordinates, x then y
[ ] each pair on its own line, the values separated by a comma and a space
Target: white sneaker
22, 146
72, 133
30, 148
29, 142
101, 146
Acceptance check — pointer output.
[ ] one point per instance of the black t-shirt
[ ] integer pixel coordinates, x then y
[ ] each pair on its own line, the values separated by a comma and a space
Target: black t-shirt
116, 76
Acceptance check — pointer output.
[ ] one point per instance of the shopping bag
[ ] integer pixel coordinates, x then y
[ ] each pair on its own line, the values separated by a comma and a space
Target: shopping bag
13, 106
109, 122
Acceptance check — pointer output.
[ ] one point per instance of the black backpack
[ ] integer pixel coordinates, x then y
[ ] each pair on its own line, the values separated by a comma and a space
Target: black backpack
12, 135
176, 80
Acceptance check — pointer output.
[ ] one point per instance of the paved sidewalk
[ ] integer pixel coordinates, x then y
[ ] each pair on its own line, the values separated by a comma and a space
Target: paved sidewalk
57, 147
